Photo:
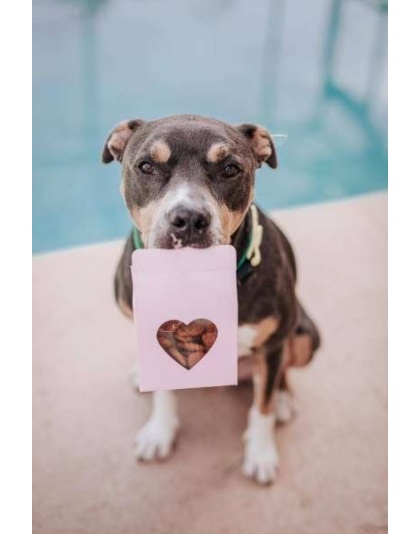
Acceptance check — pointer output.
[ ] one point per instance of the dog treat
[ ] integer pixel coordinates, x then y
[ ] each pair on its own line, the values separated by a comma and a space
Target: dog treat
167, 343
170, 326
195, 357
187, 332
209, 338
165, 339
187, 343
189, 346
178, 356
196, 328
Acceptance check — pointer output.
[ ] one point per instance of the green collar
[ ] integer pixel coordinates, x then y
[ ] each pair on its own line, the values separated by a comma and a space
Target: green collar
252, 252
137, 240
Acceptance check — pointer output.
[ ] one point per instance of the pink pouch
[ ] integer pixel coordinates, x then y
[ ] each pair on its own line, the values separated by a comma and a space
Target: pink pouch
186, 317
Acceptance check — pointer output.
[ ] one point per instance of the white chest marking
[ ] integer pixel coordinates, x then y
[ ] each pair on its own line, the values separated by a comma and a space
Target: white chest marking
246, 339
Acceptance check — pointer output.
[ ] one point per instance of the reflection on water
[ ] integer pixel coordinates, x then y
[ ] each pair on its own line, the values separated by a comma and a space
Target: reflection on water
314, 70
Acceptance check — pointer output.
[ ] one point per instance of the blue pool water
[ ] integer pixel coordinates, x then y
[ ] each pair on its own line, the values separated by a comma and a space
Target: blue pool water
315, 70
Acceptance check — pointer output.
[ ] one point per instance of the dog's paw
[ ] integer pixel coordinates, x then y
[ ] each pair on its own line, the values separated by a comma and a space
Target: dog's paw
261, 461
155, 439
261, 457
284, 407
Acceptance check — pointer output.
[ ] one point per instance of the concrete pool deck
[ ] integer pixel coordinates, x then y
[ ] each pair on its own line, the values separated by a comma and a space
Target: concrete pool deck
333, 473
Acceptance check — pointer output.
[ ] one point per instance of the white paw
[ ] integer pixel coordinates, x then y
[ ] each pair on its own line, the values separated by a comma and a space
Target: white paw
261, 463
284, 407
155, 439
261, 457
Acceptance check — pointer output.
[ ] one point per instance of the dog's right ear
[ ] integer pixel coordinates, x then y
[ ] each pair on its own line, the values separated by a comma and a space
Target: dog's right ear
117, 140
261, 142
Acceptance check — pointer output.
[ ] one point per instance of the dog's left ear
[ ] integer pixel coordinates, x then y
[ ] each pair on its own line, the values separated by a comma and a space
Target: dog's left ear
261, 143
117, 140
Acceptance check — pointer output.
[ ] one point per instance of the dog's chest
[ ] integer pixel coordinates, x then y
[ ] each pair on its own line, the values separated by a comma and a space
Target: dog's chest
253, 336
246, 340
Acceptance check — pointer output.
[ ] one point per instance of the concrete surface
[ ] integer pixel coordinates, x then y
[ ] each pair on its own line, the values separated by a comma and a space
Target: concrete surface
333, 474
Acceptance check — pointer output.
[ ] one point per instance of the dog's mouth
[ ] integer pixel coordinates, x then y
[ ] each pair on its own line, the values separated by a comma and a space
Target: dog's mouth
173, 241
181, 226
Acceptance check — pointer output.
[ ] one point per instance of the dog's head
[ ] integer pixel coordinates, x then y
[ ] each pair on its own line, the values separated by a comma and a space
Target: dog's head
188, 180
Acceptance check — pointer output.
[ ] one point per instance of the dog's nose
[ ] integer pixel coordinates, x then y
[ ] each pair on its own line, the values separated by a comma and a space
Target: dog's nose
184, 220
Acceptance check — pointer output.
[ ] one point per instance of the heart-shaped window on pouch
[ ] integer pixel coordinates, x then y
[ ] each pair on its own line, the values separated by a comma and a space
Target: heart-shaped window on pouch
187, 344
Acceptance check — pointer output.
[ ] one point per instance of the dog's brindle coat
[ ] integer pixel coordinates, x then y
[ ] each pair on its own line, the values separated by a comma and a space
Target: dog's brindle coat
188, 180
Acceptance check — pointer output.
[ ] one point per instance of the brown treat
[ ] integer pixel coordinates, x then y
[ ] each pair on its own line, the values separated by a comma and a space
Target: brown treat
196, 328
178, 356
194, 357
182, 335
170, 326
166, 340
210, 327
189, 346
208, 339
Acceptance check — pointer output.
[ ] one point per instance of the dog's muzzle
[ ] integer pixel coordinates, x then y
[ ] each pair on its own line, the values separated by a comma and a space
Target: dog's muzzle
189, 227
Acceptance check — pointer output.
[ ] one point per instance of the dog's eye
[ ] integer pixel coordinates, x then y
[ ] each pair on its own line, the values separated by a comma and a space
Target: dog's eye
230, 170
146, 167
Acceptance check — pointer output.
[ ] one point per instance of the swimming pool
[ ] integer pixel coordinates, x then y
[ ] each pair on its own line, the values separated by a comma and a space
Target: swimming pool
315, 70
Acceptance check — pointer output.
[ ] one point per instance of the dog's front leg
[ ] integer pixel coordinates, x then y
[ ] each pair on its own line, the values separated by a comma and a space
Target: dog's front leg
261, 456
155, 439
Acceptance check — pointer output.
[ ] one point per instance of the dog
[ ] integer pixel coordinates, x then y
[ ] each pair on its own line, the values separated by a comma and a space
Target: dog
188, 180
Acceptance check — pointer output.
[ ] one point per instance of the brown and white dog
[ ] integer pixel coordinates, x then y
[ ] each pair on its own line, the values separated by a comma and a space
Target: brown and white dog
188, 180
